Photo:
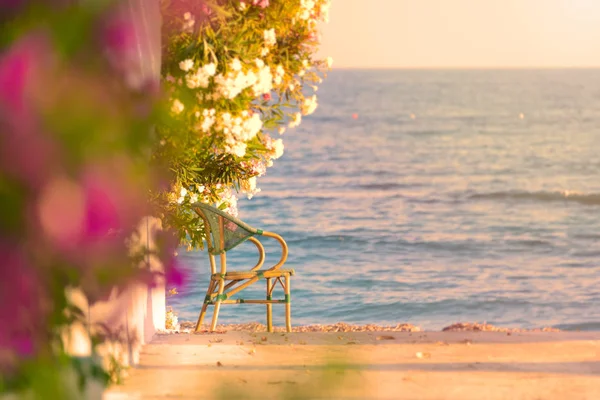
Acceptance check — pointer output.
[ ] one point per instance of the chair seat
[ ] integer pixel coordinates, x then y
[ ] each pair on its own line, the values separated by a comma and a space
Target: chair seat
238, 275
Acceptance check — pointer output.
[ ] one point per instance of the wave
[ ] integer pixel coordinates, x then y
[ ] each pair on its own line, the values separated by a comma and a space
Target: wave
386, 186
591, 199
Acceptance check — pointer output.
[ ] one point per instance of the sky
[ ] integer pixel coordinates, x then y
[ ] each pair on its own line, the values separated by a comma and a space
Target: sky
462, 33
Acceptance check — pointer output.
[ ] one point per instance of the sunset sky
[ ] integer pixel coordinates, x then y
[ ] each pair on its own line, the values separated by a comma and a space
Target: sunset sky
463, 33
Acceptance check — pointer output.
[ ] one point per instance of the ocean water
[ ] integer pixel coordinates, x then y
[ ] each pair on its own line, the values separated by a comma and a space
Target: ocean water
453, 196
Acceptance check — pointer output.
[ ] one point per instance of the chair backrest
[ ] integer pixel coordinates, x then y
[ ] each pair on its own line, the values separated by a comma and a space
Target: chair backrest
223, 232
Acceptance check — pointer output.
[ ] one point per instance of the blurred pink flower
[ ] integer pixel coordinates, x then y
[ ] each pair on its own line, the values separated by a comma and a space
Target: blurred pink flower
118, 34
25, 151
260, 3
14, 67
22, 314
175, 274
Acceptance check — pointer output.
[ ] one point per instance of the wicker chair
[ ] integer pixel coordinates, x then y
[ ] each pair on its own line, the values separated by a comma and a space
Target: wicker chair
223, 233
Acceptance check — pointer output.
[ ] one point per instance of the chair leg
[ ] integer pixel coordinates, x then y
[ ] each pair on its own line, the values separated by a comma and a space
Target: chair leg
211, 287
288, 304
213, 326
269, 307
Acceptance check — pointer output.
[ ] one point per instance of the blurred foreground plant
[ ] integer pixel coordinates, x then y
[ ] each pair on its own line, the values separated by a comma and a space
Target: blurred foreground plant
75, 139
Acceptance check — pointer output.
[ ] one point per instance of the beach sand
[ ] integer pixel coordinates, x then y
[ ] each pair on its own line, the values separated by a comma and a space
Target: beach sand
464, 364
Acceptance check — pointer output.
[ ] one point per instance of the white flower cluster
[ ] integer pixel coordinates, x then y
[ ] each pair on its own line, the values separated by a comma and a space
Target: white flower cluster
275, 147
249, 187
228, 197
297, 119
309, 105
177, 107
270, 38
306, 8
208, 120
329, 62
251, 79
201, 77
279, 74
324, 10
236, 81
238, 131
179, 195
188, 22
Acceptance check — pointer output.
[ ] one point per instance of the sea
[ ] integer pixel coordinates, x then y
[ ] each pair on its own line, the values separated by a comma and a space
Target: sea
432, 197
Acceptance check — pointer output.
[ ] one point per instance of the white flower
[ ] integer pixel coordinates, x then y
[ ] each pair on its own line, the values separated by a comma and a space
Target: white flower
177, 106
329, 62
259, 63
249, 187
264, 51
186, 65
207, 123
189, 22
199, 79
304, 15
296, 121
193, 198
239, 149
270, 38
279, 71
301, 73
183, 191
325, 11
264, 81
310, 105
277, 148
307, 4
242, 6
277, 80
236, 65
210, 69
281, 130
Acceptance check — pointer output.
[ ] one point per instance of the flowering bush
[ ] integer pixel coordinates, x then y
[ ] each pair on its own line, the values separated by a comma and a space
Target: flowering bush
238, 73
74, 176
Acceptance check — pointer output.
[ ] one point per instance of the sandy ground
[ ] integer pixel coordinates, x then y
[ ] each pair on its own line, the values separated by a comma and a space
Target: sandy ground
367, 365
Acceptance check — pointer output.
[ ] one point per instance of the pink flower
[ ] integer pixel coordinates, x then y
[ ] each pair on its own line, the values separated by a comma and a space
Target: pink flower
260, 3
267, 96
119, 34
25, 151
22, 310
14, 68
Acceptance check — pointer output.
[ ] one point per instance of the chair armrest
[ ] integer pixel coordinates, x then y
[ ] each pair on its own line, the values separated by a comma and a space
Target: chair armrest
261, 253
284, 249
